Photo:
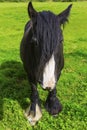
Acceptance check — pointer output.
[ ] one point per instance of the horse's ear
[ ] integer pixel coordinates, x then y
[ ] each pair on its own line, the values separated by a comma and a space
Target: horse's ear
31, 11
63, 16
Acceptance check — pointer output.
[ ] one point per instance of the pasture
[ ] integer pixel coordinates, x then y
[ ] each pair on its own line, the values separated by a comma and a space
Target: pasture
72, 86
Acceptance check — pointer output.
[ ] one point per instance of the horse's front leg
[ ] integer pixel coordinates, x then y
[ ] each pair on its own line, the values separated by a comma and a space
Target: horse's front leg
33, 113
53, 105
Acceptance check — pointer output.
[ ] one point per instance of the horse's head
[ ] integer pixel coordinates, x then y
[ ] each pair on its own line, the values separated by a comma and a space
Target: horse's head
42, 17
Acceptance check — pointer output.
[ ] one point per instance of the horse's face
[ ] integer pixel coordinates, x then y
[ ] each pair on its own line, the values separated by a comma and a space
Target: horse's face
45, 30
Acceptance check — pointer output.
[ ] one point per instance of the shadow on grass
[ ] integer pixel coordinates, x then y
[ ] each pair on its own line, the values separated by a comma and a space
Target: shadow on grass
13, 84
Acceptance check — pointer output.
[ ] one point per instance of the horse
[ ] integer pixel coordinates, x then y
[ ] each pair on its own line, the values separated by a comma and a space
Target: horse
41, 52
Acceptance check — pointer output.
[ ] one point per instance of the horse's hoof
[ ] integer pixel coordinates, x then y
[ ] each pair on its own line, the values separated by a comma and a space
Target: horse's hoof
33, 116
53, 106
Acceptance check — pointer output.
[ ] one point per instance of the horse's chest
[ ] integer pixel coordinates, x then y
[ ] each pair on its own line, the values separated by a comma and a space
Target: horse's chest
49, 74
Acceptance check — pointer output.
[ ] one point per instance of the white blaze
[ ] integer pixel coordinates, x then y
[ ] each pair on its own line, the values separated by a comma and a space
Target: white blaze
49, 74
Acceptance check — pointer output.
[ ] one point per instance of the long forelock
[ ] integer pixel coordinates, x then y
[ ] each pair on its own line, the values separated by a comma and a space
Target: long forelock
47, 35
47, 32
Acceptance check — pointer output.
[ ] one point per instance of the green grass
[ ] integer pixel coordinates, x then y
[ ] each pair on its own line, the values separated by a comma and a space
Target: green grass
72, 86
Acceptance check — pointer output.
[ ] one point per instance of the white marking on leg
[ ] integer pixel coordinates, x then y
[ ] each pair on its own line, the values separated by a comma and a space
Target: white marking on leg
49, 74
31, 118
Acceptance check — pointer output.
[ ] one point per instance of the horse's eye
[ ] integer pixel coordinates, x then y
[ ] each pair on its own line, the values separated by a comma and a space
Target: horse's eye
34, 40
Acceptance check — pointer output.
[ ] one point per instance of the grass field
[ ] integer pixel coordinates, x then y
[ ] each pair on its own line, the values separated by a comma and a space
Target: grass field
72, 86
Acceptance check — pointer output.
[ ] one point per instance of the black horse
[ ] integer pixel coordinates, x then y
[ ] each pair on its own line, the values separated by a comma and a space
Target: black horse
42, 55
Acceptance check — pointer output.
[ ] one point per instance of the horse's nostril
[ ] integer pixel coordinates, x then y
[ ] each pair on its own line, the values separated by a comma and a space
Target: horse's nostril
48, 88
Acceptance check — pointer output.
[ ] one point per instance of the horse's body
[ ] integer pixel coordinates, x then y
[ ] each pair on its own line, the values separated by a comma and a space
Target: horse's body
42, 56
